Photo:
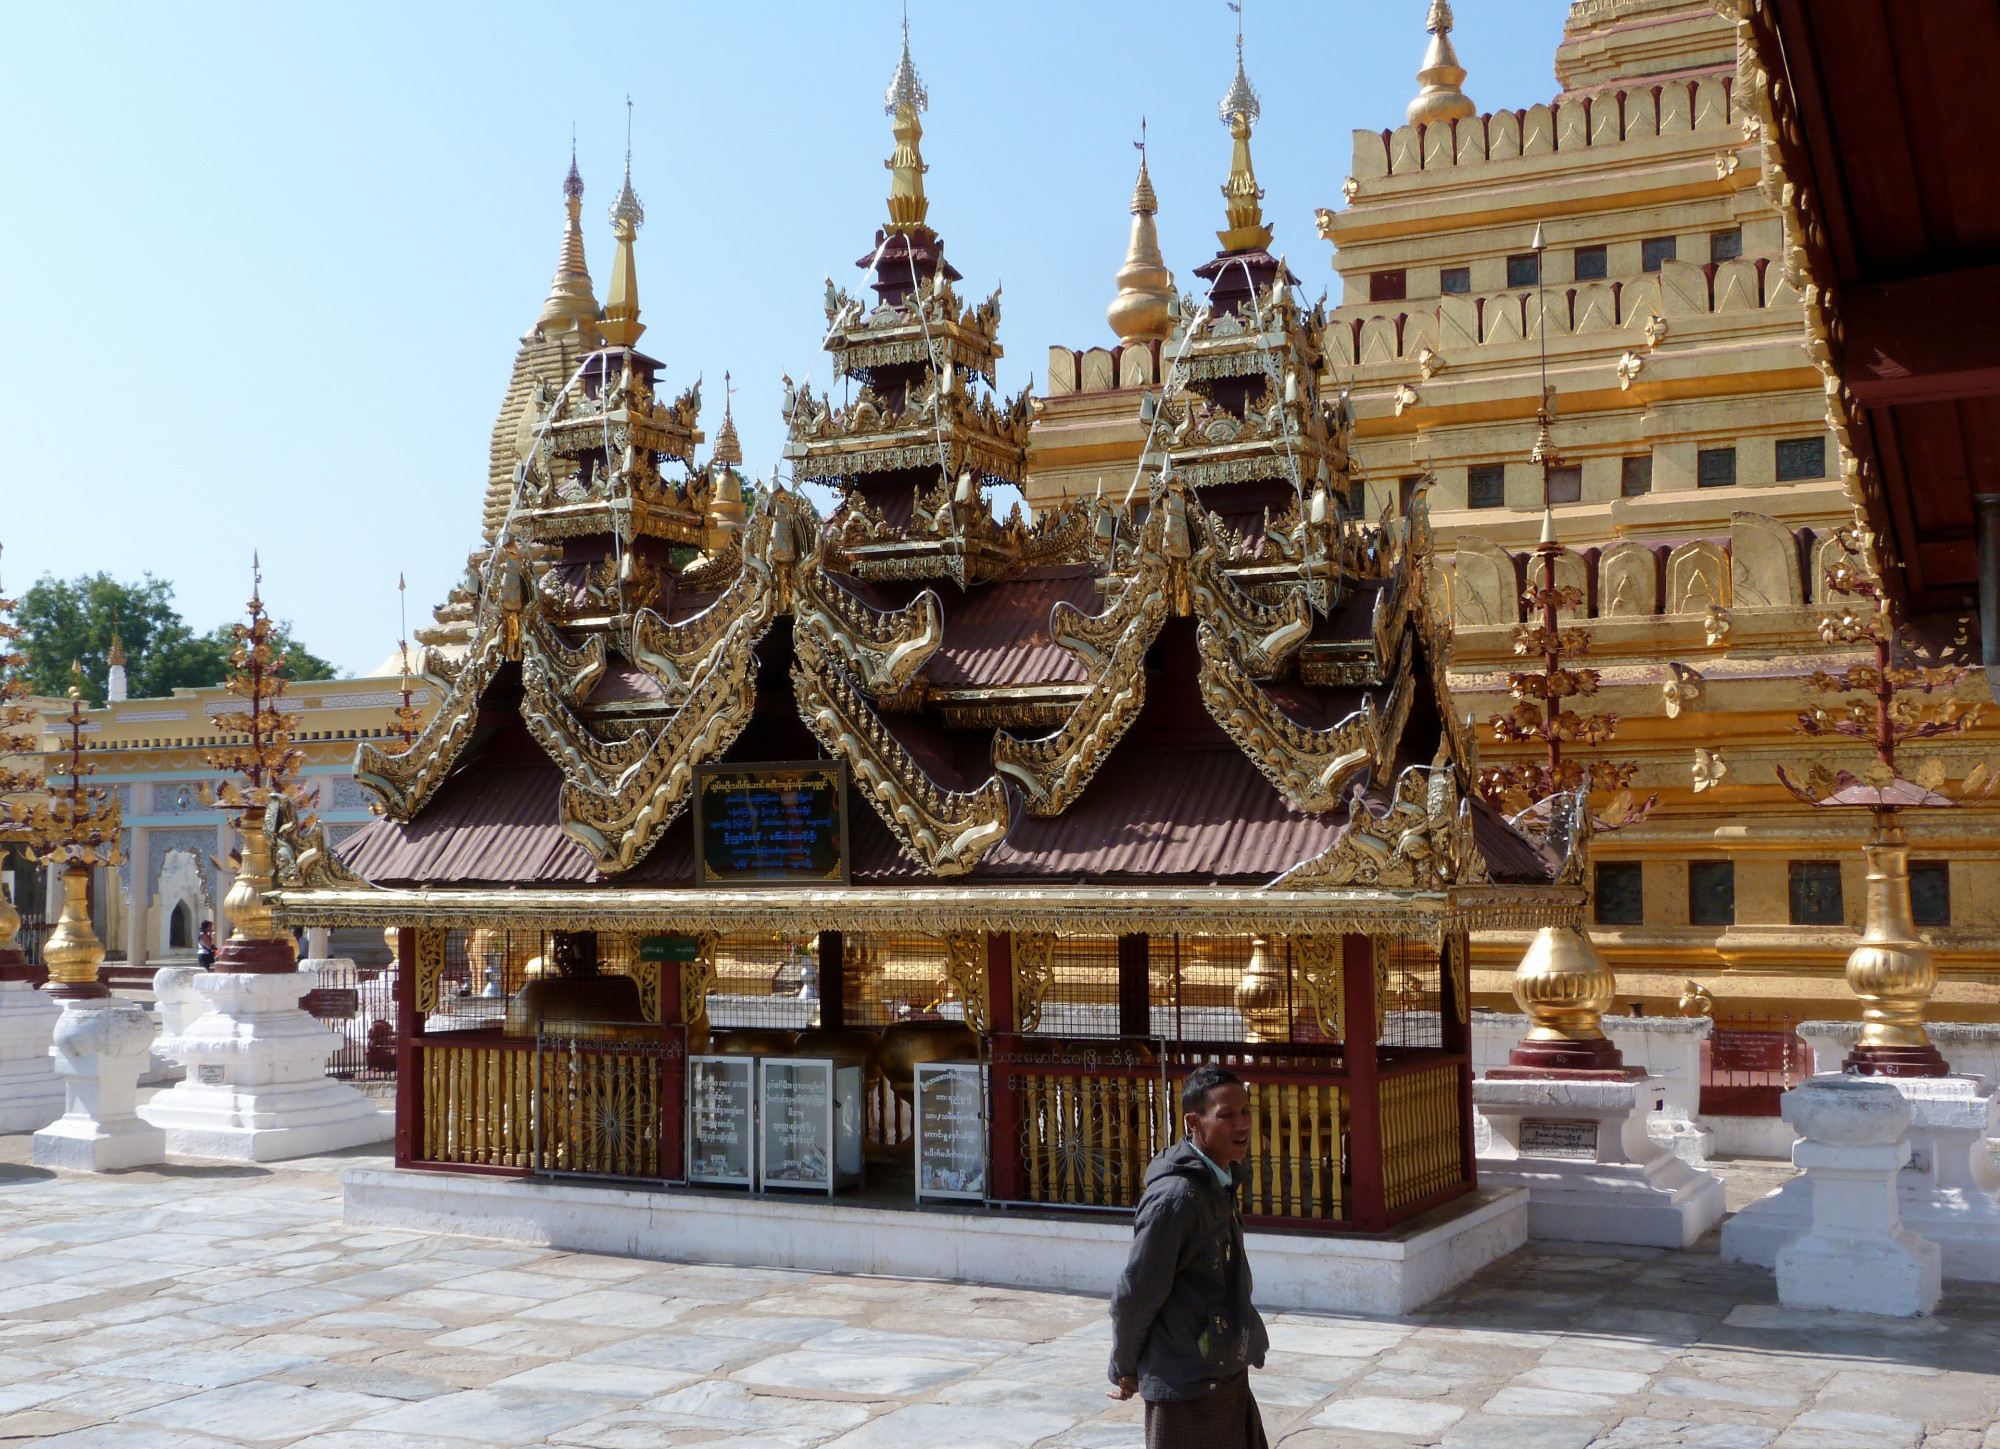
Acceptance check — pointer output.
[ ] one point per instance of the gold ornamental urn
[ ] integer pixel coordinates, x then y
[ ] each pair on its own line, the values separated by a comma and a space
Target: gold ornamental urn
1565, 987
1262, 995
1891, 971
73, 952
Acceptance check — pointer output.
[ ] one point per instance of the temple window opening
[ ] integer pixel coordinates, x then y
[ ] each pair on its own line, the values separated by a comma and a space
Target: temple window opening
1815, 894
1725, 246
1593, 264
1715, 468
1524, 269
1486, 486
1621, 893
1711, 893
1388, 286
1657, 249
1455, 281
1635, 475
1801, 458
1930, 892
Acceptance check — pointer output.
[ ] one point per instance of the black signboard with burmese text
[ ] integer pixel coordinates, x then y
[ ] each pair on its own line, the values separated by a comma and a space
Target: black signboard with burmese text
778, 824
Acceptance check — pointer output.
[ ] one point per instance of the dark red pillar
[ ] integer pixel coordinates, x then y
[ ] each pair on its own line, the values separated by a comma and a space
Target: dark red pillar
1135, 987
832, 982
1357, 967
409, 1085
1003, 1091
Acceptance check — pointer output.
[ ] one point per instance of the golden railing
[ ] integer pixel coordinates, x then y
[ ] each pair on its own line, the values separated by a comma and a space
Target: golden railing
1420, 1127
1087, 1139
1298, 1137
599, 1106
478, 1105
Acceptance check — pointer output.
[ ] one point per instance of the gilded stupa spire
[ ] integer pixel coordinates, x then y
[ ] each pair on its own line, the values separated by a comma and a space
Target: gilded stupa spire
1440, 100
906, 97
1239, 111
621, 325
1145, 287
728, 450
571, 302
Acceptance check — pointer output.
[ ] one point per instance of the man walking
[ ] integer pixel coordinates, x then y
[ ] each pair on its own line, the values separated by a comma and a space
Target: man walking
1184, 1335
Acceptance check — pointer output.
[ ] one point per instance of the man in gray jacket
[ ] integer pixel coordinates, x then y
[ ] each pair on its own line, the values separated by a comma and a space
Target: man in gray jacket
1184, 1335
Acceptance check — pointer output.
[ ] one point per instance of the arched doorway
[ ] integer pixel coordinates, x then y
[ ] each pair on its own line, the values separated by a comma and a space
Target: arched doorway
180, 928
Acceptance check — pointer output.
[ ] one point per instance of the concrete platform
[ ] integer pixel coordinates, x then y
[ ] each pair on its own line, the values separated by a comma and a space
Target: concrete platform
1395, 1272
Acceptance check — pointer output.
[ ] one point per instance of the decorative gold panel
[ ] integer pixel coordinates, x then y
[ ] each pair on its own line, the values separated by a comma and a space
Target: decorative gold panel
1420, 1130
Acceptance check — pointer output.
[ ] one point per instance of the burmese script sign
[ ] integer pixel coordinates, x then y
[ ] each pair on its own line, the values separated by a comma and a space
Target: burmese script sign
1541, 1138
809, 1123
772, 824
951, 1130
720, 1119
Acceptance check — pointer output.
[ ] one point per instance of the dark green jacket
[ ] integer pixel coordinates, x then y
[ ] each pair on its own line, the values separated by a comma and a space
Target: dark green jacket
1181, 1318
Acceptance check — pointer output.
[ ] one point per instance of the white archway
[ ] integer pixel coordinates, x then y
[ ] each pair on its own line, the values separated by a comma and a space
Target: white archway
179, 891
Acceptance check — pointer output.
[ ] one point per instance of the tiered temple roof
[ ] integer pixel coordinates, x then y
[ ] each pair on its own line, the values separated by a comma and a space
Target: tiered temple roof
1219, 693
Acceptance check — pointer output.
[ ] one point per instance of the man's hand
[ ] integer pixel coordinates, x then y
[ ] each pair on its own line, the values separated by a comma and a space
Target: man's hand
1127, 1386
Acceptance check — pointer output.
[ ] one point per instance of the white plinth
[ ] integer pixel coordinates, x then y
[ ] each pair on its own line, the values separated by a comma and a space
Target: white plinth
1948, 1192
1592, 1172
1855, 1255
1396, 1272
99, 1047
31, 1094
256, 1088
1666, 1048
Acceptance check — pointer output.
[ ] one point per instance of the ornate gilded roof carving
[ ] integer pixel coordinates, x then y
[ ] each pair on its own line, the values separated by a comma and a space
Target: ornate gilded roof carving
979, 436
945, 831
1261, 637
882, 649
1423, 841
401, 782
1312, 768
929, 326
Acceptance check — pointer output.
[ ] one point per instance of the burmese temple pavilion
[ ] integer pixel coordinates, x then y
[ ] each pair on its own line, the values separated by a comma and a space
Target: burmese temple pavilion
753, 847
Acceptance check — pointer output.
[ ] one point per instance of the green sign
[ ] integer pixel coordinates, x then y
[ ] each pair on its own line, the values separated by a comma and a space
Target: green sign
668, 948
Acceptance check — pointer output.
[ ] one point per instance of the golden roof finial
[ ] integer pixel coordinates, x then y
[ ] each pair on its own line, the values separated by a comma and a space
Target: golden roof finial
1239, 111
1145, 287
621, 326
905, 97
728, 450
116, 659
571, 301
1440, 99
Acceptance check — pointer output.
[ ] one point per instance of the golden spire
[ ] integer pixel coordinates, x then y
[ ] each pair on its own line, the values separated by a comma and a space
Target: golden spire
116, 659
728, 450
1440, 99
571, 302
621, 326
1145, 287
1239, 111
906, 96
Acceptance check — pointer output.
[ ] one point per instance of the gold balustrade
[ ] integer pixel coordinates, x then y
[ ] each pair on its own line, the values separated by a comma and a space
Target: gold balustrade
600, 1109
1297, 1138
1420, 1125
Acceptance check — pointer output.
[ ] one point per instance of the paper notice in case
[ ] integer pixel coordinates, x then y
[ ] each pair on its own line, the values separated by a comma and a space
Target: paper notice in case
797, 1137
951, 1130
720, 1118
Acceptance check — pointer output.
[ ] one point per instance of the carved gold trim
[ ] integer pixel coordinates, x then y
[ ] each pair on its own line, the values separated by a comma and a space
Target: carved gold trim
881, 649
404, 781
1261, 637
697, 980
943, 830
1312, 768
1423, 841
429, 967
1034, 954
965, 969
1319, 963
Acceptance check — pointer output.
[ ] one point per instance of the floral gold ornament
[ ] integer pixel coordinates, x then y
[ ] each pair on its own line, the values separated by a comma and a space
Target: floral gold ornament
1708, 769
1682, 689
1715, 625
1903, 689
75, 828
20, 738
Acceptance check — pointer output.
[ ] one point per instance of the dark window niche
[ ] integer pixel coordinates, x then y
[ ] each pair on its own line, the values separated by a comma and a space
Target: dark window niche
1715, 468
1388, 286
1635, 475
1711, 892
1620, 898
1930, 892
1486, 486
1816, 893
1725, 246
1593, 264
1566, 484
1455, 281
1524, 269
1800, 458
1654, 250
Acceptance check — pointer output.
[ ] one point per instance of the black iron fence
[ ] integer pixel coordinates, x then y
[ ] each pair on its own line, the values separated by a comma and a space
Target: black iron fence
359, 1003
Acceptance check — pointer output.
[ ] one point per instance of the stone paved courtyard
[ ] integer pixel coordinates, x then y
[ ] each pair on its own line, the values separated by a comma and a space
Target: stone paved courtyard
201, 1306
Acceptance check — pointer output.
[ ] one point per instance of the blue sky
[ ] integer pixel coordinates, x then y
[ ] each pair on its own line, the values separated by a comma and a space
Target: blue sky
267, 265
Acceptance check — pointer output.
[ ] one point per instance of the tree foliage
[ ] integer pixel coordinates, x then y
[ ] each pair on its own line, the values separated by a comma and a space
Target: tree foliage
72, 619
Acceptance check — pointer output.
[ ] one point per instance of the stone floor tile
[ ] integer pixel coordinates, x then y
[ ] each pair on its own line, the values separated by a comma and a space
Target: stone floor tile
1491, 1431
681, 1351
859, 1374
383, 1380
774, 1329
633, 1382
1413, 1417
541, 1340
1102, 1434
1551, 1403
261, 1411
367, 1319
718, 1404
130, 1436
1940, 1400
1747, 1391
925, 1426
1832, 1429
1582, 1380
1644, 1433
612, 1308
1583, 1352
931, 1345
457, 1303
1079, 1398
199, 1368
489, 1416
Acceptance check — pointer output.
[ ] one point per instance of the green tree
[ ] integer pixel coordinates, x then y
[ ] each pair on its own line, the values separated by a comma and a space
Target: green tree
72, 619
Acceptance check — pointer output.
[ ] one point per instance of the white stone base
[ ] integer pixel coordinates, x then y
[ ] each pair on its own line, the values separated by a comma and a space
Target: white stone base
1393, 1273
31, 1094
99, 1046
1630, 1189
1946, 1193
256, 1088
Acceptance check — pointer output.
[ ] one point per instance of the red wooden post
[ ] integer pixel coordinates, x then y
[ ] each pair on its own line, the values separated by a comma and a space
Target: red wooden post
409, 1086
673, 1075
1135, 989
1003, 1092
1357, 966
832, 981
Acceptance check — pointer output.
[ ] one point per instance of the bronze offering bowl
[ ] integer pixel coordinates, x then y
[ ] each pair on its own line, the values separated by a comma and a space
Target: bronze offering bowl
852, 1041
747, 1041
906, 1044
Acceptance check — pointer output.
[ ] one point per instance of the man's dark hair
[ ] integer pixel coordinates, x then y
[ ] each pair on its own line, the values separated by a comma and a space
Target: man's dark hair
1203, 1080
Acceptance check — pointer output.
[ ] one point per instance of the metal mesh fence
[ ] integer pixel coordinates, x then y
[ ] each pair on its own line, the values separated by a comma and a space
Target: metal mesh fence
1081, 998
358, 1003
765, 982
485, 980
886, 979
1411, 977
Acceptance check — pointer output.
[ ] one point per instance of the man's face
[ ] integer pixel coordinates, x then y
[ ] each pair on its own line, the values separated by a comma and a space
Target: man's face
1221, 1129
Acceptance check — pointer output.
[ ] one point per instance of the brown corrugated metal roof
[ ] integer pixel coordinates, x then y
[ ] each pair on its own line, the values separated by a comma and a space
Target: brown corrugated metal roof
999, 634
